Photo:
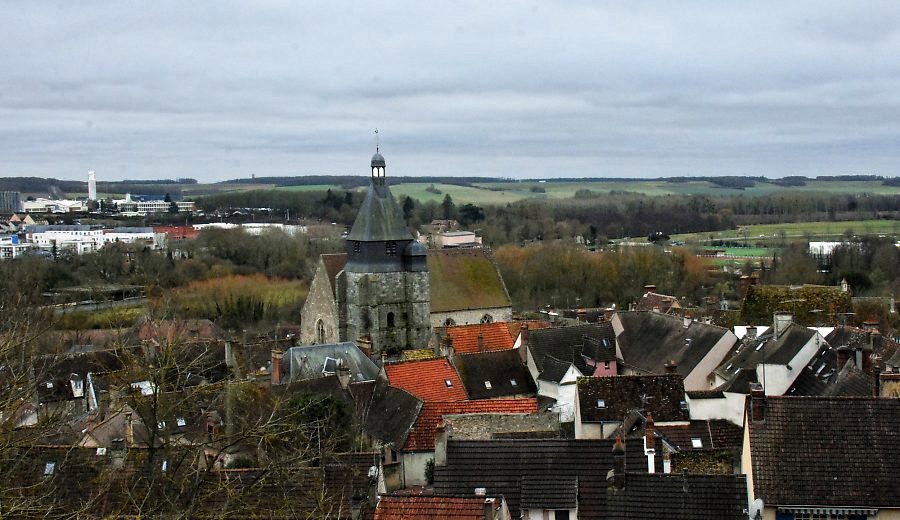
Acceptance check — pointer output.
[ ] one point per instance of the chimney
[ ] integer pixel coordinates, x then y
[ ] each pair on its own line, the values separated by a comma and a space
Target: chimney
858, 358
129, 430
671, 367
617, 475
877, 368
650, 444
489, 509
686, 321
275, 370
782, 321
650, 288
751, 333
343, 375
523, 344
757, 403
480, 342
441, 436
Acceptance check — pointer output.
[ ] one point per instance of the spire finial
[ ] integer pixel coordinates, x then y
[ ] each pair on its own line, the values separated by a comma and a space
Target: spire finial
376, 141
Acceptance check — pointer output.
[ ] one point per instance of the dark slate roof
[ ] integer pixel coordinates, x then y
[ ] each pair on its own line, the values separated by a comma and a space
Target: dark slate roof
768, 348
380, 218
464, 279
555, 348
854, 337
649, 340
818, 375
827, 451
539, 493
679, 497
391, 413
53, 373
502, 369
538, 466
313, 361
652, 300
714, 434
661, 396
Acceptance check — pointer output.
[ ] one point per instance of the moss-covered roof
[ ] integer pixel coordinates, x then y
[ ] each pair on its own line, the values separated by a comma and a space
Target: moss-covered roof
464, 279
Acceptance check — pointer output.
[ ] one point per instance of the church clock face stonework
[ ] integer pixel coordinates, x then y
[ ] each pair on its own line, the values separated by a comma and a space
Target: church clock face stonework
383, 292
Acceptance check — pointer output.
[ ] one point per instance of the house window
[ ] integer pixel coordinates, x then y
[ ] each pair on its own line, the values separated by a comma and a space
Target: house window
561, 514
49, 468
606, 365
513, 382
601, 403
390, 320
696, 442
448, 383
320, 332
487, 384
390, 248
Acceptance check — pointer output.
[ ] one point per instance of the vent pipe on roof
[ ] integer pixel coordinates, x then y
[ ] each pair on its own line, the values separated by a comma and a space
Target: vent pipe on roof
275, 370
616, 477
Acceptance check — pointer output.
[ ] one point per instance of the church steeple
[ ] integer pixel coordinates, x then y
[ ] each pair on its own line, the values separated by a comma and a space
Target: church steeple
377, 164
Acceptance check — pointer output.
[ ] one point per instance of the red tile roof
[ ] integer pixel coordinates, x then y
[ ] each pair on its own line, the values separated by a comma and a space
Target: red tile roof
465, 337
178, 232
432, 508
421, 436
515, 327
427, 380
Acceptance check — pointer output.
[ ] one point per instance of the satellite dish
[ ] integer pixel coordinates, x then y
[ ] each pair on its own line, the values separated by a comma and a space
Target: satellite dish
756, 510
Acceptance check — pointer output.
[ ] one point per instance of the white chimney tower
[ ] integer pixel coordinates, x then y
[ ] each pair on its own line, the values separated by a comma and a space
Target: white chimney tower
92, 185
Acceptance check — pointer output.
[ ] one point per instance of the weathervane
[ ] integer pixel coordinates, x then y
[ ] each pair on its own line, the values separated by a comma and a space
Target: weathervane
376, 141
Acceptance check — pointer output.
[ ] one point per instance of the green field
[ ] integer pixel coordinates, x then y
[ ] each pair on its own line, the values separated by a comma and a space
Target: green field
816, 230
504, 192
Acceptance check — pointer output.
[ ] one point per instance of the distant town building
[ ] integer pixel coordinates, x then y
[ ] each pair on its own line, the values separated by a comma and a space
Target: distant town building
92, 185
10, 201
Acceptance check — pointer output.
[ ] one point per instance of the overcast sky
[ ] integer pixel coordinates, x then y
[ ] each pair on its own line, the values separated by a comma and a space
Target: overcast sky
221, 90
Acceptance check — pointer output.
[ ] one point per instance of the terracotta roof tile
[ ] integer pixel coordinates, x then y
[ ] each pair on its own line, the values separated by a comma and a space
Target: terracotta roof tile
432, 508
429, 380
515, 327
466, 337
421, 437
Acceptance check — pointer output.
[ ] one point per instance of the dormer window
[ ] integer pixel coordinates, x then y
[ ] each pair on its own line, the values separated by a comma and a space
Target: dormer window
49, 468
601, 403
513, 382
487, 384
696, 442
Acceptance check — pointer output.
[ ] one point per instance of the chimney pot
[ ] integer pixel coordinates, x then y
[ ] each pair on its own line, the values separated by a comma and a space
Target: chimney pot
488, 509
757, 403
275, 371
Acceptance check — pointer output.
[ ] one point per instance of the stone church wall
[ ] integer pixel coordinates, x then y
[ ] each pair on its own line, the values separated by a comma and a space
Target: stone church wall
468, 317
320, 305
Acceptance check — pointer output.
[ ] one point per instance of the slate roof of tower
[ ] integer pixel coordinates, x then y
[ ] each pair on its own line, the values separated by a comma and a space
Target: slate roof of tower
827, 451
380, 218
504, 371
660, 395
427, 380
500, 466
421, 436
679, 497
463, 279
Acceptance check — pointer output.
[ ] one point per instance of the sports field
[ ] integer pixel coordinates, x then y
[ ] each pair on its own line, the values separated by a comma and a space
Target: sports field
814, 230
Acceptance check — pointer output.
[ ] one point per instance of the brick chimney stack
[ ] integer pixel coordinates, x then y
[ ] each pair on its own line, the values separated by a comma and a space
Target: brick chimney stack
275, 371
757, 403
650, 444
617, 475
441, 436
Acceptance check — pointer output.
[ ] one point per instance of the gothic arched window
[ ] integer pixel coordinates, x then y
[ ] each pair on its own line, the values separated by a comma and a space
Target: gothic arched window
320, 332
487, 318
449, 322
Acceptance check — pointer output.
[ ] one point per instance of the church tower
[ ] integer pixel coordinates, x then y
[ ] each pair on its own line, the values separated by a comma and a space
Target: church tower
383, 291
